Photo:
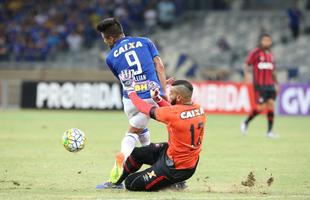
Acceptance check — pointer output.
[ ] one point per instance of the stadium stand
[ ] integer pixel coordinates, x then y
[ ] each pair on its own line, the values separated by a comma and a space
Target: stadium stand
60, 35
40, 30
225, 38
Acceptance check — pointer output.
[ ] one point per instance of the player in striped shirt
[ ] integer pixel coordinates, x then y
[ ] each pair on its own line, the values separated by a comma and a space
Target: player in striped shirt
262, 62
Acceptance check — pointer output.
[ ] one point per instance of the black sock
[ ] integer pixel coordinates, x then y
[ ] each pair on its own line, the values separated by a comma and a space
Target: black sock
251, 116
130, 166
270, 116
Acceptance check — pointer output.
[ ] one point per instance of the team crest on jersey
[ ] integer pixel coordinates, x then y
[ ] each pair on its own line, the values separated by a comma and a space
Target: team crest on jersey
192, 113
126, 47
261, 58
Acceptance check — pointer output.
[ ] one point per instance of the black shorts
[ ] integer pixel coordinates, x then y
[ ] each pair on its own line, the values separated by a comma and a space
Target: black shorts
264, 93
162, 172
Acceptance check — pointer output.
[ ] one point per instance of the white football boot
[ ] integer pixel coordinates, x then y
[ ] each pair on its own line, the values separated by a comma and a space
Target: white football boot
244, 128
272, 135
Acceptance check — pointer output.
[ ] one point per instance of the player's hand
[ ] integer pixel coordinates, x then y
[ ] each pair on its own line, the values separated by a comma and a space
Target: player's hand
155, 91
277, 89
247, 79
127, 80
170, 81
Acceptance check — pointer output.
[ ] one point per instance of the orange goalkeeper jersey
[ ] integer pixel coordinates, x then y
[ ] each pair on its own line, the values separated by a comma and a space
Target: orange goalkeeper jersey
185, 124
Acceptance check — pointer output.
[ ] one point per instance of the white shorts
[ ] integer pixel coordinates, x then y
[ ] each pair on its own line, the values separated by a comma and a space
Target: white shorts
136, 118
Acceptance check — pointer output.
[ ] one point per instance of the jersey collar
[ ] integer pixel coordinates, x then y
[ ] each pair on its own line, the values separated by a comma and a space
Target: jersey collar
119, 41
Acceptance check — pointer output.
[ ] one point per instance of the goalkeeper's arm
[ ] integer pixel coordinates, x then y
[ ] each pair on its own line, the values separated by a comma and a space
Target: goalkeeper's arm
142, 106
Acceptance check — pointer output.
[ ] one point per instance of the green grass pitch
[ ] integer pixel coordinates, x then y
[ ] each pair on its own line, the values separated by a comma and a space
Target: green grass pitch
35, 165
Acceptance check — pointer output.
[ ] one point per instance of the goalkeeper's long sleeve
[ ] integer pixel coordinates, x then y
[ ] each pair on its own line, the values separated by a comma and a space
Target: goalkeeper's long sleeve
163, 103
141, 105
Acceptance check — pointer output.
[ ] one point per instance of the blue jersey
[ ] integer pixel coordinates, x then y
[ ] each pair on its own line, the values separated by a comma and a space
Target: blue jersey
135, 53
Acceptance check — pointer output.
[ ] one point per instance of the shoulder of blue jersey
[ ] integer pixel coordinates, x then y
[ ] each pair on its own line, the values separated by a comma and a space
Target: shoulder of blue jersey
144, 39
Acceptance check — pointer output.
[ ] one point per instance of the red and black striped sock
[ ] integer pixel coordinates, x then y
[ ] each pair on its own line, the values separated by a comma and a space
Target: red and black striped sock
251, 116
130, 166
270, 116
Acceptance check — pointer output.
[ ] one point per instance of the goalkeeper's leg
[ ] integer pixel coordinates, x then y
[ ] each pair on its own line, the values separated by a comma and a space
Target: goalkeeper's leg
161, 174
141, 155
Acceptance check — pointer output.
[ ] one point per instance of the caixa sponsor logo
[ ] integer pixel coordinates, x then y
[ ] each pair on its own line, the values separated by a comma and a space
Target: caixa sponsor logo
78, 95
295, 99
265, 65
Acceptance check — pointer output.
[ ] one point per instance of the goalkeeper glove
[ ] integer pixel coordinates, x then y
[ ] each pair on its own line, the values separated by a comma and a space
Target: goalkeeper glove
155, 91
127, 80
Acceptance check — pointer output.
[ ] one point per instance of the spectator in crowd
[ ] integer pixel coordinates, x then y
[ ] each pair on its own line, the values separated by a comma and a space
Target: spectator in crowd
223, 44
150, 19
166, 13
136, 9
18, 46
4, 56
31, 53
220, 5
295, 16
74, 41
120, 12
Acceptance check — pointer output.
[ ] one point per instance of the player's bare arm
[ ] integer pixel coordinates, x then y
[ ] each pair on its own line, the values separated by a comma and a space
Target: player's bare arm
160, 69
246, 72
275, 79
127, 80
155, 94
170, 81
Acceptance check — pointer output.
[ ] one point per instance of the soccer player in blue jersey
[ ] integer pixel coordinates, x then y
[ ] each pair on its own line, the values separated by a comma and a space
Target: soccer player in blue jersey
140, 55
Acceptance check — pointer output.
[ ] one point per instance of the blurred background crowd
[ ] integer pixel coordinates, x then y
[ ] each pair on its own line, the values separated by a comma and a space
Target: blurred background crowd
192, 35
35, 29
197, 39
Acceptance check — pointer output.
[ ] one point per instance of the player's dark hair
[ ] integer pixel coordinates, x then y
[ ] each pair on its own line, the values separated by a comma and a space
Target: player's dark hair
264, 35
185, 83
261, 37
110, 27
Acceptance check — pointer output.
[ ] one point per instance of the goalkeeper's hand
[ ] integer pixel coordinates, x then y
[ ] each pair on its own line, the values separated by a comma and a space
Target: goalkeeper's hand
127, 80
155, 91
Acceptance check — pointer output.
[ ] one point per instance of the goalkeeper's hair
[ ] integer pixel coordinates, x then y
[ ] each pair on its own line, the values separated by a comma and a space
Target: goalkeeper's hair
110, 27
187, 87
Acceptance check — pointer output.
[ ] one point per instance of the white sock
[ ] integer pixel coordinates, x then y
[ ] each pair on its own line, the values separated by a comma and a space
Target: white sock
128, 144
144, 137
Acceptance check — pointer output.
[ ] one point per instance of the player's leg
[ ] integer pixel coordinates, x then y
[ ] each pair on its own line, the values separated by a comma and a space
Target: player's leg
137, 130
142, 155
158, 176
135, 134
150, 180
144, 137
147, 180
131, 137
138, 122
127, 145
153, 178
260, 106
270, 113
